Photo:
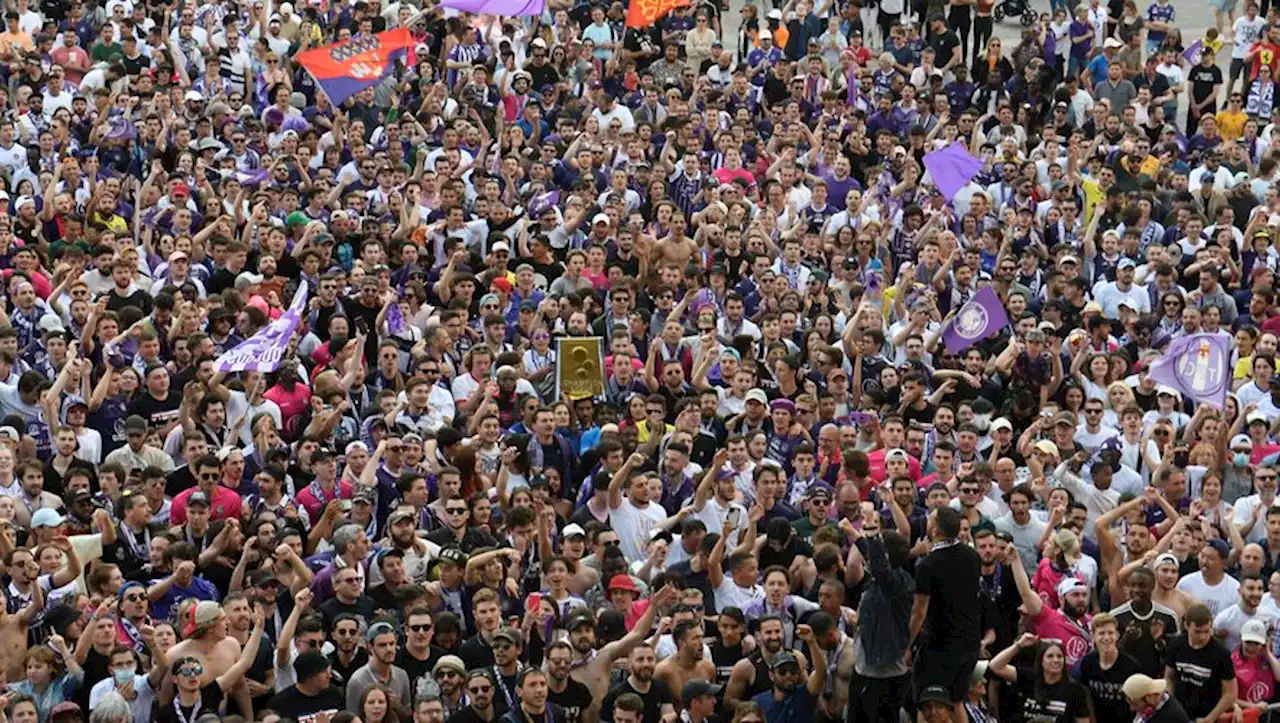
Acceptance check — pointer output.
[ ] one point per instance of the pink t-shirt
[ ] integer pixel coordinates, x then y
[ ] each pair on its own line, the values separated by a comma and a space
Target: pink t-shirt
1045, 583
225, 505
291, 403
1051, 624
1253, 678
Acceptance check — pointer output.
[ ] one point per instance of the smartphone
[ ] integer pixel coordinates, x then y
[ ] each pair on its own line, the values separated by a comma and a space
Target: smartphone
533, 602
735, 517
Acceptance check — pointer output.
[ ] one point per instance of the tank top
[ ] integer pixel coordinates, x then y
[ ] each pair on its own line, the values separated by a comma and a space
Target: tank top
724, 659
762, 682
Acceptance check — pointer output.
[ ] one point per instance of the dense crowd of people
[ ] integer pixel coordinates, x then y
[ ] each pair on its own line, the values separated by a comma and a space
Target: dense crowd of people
788, 496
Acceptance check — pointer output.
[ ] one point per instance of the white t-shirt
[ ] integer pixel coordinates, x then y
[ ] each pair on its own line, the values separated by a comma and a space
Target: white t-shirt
1218, 597
1244, 511
713, 515
1247, 32
730, 594
633, 525
1229, 622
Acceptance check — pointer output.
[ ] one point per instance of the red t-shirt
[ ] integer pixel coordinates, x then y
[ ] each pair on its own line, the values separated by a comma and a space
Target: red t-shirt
225, 505
876, 459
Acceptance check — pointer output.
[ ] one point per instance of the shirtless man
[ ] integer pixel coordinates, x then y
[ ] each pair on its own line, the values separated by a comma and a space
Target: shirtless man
688, 662
206, 639
750, 675
1166, 591
675, 249
593, 667
13, 631
1137, 540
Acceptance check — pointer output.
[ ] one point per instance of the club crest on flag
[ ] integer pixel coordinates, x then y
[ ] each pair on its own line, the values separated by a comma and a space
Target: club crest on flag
972, 322
1203, 369
1197, 366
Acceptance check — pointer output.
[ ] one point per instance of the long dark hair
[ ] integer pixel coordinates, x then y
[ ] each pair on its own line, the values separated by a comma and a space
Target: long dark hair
1041, 691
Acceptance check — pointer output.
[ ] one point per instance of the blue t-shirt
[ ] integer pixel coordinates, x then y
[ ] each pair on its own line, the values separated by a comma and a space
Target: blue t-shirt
1161, 14
799, 707
166, 608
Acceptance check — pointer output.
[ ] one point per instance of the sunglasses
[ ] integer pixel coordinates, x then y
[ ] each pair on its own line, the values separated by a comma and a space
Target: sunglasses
475, 689
420, 628
134, 598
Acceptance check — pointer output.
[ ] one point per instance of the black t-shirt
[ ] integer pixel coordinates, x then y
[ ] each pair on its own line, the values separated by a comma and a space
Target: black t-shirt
1145, 649
949, 576
363, 607
1000, 596
290, 703
1062, 702
97, 667
658, 694
943, 46
210, 699
1198, 674
157, 412
358, 661
1107, 686
419, 671
1203, 81
574, 699
468, 714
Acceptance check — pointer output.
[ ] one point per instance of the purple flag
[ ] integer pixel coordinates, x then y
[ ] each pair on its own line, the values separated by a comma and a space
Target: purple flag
1192, 54
395, 318
264, 351
518, 8
542, 202
253, 179
951, 168
1198, 366
982, 317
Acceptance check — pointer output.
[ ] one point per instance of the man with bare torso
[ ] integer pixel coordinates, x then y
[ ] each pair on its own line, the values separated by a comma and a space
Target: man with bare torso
206, 639
689, 661
592, 667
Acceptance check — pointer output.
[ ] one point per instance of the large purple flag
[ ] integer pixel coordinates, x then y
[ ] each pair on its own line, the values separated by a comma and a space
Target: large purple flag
518, 8
264, 351
1198, 366
982, 317
951, 168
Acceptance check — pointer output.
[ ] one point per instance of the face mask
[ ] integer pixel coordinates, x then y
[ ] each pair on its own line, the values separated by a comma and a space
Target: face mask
122, 677
1240, 459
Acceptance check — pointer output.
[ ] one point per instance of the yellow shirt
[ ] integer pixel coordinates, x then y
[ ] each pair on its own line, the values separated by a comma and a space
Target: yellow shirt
1093, 195
1231, 124
1244, 368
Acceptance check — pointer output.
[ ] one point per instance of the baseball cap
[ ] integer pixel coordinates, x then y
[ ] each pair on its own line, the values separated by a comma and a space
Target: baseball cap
697, 688
1047, 447
453, 556
572, 529
1001, 423
935, 694
135, 425
1070, 585
783, 658
45, 517
510, 634
757, 395
1139, 686
1254, 631
1242, 440
198, 498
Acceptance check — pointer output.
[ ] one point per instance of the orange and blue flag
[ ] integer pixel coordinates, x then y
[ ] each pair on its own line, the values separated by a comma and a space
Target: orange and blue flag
346, 68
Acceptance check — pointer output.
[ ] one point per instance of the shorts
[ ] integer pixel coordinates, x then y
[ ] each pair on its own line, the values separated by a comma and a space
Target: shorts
951, 671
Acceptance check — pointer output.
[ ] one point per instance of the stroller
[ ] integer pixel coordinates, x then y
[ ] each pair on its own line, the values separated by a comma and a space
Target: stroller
1020, 9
